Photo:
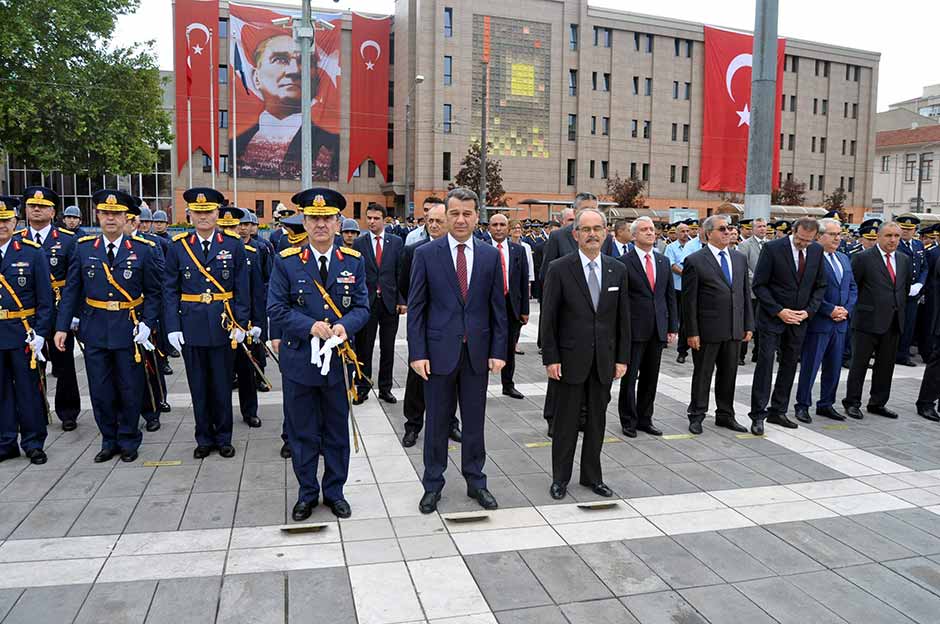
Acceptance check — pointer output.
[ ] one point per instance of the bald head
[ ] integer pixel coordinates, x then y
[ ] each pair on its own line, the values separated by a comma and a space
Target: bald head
499, 227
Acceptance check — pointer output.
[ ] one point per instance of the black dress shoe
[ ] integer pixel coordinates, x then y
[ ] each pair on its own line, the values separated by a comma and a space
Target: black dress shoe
252, 421
340, 508
260, 386
601, 490
740, 361
9, 454
163, 407
757, 427
105, 455
483, 496
680, 359
881, 411
285, 451
455, 434
152, 425
512, 393
409, 439
429, 502
128, 456
558, 491
302, 510
518, 352
695, 428
731, 424
929, 412
829, 412
846, 364
173, 353
201, 452
69, 425
854, 412
781, 420
388, 397
167, 369
650, 430
37, 456
802, 415
361, 397
630, 433
227, 451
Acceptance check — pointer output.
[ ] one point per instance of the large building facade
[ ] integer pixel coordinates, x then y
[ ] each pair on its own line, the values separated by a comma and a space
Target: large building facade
905, 168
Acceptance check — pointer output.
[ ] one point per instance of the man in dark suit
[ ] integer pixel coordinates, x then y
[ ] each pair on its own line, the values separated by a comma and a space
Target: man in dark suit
456, 335
514, 267
827, 329
654, 321
789, 283
585, 321
930, 385
619, 244
382, 255
913, 249
413, 405
716, 300
883, 276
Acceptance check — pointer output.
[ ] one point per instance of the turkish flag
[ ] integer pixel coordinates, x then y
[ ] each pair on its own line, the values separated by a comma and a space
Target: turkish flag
196, 51
728, 110
368, 99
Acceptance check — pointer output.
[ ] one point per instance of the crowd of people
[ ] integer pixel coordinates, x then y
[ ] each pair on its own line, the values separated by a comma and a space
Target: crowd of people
318, 296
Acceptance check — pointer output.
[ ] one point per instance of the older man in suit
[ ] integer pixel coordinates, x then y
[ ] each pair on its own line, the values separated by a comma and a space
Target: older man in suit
653, 322
457, 334
585, 321
514, 267
883, 276
789, 282
716, 300
827, 329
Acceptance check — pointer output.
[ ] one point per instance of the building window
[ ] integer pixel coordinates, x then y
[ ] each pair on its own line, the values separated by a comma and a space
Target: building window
845, 110
675, 132
448, 71
445, 165
633, 171
791, 142
572, 170
223, 119
206, 163
685, 133
391, 49
647, 126
591, 169
391, 174
843, 147
822, 183
687, 93
606, 82
391, 93
223, 28
572, 82
675, 89
792, 103
841, 182
781, 141
572, 126
357, 210
634, 126
649, 44
223, 163
597, 36
885, 164
783, 102
636, 85
672, 173
852, 148
854, 110
684, 45
815, 106
605, 126
259, 207
857, 73
593, 124
791, 63
391, 136
910, 167
602, 36
357, 172
851, 184
593, 81
925, 166
573, 37
447, 118
825, 107
812, 181
646, 172
604, 169
274, 203
685, 174
813, 148
648, 87
448, 22
370, 168
822, 145
223, 74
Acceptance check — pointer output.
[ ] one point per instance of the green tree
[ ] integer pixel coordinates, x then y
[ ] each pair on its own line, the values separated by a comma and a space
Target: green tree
627, 192
69, 100
791, 193
836, 201
469, 175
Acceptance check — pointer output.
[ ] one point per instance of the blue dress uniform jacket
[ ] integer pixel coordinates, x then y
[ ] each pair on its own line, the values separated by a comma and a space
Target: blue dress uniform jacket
919, 275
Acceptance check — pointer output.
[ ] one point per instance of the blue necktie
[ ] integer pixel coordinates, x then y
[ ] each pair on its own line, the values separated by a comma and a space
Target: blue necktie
836, 267
724, 267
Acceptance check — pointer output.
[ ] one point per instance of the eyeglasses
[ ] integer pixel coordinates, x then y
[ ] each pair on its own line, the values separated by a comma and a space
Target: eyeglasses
723, 228
592, 230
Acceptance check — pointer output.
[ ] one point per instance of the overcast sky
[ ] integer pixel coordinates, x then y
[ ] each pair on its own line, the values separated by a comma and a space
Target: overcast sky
904, 31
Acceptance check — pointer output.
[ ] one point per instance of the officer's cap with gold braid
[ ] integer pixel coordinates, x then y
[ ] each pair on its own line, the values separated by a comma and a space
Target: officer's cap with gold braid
112, 200
319, 202
907, 221
203, 199
230, 216
833, 214
297, 233
869, 228
783, 226
41, 195
8, 205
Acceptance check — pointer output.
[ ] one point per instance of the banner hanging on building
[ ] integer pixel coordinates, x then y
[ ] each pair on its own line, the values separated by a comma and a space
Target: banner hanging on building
368, 105
265, 74
196, 51
727, 114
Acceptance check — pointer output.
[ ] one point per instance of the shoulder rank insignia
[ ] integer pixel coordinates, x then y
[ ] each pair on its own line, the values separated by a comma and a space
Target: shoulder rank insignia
290, 251
141, 239
232, 234
350, 252
250, 248
180, 236
20, 232
69, 232
31, 243
85, 239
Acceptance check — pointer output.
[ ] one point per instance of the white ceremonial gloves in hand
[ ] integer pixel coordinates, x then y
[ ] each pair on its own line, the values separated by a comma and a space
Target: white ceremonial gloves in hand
176, 339
142, 336
321, 356
255, 333
74, 325
238, 335
915, 289
36, 343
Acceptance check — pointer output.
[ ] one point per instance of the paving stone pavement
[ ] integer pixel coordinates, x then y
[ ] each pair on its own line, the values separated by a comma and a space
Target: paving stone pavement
832, 522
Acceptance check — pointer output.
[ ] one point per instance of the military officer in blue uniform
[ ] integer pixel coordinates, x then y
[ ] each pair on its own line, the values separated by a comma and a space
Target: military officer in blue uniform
914, 249
317, 292
113, 288
72, 220
207, 314
26, 312
57, 244
261, 259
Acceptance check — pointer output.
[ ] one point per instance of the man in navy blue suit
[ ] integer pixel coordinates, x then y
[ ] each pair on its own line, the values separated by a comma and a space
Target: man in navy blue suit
515, 270
827, 330
789, 283
619, 244
381, 252
913, 249
457, 333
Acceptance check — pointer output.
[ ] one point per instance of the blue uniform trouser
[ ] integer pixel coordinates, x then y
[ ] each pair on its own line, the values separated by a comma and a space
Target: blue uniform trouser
68, 402
209, 373
316, 419
116, 384
21, 406
247, 391
907, 337
155, 386
820, 350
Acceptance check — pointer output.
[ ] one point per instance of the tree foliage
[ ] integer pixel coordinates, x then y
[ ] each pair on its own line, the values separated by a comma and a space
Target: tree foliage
791, 193
69, 100
469, 175
836, 201
627, 192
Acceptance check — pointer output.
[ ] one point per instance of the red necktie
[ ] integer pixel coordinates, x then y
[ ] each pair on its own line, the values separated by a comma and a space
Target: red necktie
894, 278
462, 270
378, 251
649, 272
502, 264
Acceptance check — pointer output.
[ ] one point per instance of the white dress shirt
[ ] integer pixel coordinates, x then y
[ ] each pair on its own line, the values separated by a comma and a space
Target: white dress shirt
715, 251
796, 255
622, 248
894, 259
44, 233
642, 256
4, 247
373, 238
505, 254
836, 265
587, 271
200, 240
117, 243
317, 255
467, 252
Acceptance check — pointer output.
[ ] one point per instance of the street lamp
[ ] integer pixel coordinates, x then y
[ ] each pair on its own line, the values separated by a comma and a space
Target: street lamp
409, 190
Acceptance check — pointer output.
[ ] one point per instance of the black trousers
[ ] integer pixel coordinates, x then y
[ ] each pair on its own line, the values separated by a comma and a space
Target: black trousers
755, 340
884, 347
682, 346
789, 345
247, 390
385, 324
569, 398
930, 385
515, 328
721, 360
413, 405
638, 386
68, 403
154, 386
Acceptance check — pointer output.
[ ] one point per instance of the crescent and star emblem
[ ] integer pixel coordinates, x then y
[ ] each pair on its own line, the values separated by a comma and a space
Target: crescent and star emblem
741, 60
370, 65
197, 49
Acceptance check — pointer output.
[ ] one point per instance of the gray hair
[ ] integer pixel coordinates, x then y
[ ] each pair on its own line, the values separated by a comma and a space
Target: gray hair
580, 213
635, 224
887, 224
806, 223
761, 219
711, 223
580, 197
825, 223
462, 193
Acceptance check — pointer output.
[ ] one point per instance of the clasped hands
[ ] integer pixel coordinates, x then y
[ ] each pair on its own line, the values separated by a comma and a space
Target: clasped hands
792, 317
554, 371
839, 314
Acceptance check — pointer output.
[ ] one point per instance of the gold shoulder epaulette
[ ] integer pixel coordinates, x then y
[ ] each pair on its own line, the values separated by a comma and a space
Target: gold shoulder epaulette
351, 252
141, 239
31, 243
69, 232
250, 248
290, 251
180, 235
85, 239
232, 234
23, 231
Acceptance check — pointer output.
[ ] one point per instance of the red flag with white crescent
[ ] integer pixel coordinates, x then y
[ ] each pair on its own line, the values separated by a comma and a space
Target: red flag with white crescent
195, 37
727, 110
368, 94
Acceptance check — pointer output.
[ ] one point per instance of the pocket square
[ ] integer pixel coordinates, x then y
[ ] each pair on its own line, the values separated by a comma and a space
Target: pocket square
613, 288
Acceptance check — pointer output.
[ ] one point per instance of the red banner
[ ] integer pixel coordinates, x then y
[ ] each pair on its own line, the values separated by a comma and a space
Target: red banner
368, 99
727, 112
196, 51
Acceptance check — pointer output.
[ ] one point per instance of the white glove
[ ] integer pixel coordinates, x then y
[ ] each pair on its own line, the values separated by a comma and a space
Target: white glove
327, 353
36, 343
255, 333
142, 333
915, 289
315, 351
176, 339
74, 325
237, 335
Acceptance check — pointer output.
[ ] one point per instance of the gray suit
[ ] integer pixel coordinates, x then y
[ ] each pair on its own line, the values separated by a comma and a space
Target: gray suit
751, 248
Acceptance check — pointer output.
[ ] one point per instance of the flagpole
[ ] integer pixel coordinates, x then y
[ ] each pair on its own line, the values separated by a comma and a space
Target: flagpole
189, 137
212, 111
233, 121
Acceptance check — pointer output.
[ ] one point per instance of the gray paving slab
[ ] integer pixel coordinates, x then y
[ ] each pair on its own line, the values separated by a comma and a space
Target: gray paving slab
48, 604
675, 565
216, 477
870, 543
11, 515
255, 598
826, 550
263, 476
663, 480
701, 476
920, 518
260, 508
506, 492
51, 518
624, 483
846, 599
610, 611
157, 513
620, 569
786, 603
564, 575
773, 469
104, 516
662, 608
326, 591
723, 557
8, 598
723, 604
125, 482
81, 483
506, 581
211, 510
897, 530
922, 571
535, 615
29, 486
185, 601
738, 473
127, 603
902, 594
172, 480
